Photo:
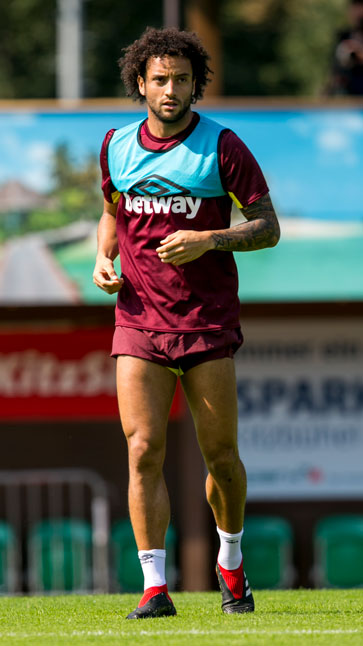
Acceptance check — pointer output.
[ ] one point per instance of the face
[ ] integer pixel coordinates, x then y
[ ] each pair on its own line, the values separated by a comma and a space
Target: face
168, 87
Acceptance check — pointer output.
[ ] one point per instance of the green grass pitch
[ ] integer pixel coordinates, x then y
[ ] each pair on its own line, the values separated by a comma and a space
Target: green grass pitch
318, 617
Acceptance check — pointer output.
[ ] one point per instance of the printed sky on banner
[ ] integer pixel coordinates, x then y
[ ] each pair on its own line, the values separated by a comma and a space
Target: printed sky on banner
312, 159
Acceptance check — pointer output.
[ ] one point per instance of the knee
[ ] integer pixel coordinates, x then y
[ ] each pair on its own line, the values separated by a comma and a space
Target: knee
145, 455
222, 463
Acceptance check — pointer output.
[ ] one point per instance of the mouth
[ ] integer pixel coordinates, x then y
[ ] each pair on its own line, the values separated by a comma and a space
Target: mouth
170, 105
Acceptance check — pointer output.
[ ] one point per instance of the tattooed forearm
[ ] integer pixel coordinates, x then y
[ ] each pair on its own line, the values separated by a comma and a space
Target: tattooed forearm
261, 229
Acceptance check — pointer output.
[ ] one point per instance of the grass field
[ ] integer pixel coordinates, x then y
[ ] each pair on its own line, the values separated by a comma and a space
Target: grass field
323, 617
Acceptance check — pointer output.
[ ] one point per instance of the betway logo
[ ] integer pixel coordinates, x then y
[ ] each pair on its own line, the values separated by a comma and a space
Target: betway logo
175, 204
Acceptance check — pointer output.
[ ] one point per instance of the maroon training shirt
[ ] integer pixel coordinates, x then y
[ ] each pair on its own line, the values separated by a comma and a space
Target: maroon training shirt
199, 295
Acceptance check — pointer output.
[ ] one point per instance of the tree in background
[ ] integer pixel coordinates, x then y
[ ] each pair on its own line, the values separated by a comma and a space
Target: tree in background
111, 25
28, 44
76, 189
270, 47
75, 196
27, 49
278, 47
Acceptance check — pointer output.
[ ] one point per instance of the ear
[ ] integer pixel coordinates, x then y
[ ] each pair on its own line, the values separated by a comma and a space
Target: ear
141, 84
193, 91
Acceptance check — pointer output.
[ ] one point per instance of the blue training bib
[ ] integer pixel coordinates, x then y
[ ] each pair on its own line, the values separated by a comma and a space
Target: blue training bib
191, 167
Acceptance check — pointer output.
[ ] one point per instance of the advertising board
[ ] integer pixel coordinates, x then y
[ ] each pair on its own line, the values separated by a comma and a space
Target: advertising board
300, 393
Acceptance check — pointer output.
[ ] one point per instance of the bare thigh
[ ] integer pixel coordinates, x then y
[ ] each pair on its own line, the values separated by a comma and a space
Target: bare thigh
145, 392
211, 391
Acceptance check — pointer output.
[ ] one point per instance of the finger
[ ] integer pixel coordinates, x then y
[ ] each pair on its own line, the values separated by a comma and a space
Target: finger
176, 237
168, 257
165, 254
168, 245
102, 279
110, 288
180, 261
102, 282
115, 282
177, 259
109, 274
113, 276
104, 274
170, 250
171, 236
114, 289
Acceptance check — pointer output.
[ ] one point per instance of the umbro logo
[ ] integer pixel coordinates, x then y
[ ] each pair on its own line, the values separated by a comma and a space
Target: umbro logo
158, 186
146, 558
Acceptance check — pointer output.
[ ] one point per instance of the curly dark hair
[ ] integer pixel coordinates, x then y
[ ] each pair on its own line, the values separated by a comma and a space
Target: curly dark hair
164, 42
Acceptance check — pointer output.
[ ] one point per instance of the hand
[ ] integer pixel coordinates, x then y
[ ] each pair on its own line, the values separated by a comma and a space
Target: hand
184, 246
105, 277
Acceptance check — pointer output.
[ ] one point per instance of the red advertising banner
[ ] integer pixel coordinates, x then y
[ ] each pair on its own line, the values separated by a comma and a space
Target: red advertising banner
63, 373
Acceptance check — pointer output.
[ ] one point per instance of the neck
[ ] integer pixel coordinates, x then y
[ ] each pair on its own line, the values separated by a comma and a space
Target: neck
163, 129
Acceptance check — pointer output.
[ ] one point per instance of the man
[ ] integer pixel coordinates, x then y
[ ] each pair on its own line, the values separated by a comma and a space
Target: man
169, 182
347, 72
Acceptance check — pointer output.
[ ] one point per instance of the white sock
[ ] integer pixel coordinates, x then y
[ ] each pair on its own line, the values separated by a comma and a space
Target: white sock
153, 567
230, 554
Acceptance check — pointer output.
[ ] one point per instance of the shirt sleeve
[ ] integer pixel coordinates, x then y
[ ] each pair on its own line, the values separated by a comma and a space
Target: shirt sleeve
110, 192
241, 175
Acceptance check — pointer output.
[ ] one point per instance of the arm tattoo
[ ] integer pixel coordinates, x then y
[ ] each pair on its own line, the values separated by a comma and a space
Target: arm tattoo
261, 229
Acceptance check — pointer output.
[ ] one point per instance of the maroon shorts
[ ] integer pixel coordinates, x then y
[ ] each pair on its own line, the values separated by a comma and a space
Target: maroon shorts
177, 351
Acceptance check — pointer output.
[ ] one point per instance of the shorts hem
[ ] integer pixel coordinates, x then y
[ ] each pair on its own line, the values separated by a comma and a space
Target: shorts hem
145, 345
178, 368
179, 330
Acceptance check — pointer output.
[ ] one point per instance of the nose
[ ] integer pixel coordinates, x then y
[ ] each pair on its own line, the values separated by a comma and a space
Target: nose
169, 88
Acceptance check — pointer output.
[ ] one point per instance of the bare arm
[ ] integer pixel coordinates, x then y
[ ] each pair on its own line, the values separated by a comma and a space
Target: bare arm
260, 231
104, 275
